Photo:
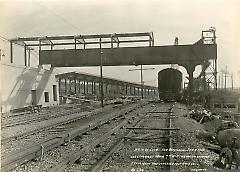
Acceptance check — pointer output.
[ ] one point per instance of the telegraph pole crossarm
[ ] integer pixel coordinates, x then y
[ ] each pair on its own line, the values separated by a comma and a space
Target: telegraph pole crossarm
141, 76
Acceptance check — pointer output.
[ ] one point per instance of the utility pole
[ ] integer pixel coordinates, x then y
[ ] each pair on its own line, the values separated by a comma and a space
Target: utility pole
225, 78
225, 81
222, 72
101, 74
219, 81
224, 75
232, 80
141, 75
239, 81
141, 81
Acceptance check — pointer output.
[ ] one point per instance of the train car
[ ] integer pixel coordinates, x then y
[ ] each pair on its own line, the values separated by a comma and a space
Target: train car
170, 84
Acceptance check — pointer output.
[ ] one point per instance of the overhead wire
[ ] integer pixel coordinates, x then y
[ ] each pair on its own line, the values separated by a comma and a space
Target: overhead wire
57, 15
4, 39
33, 51
152, 80
36, 55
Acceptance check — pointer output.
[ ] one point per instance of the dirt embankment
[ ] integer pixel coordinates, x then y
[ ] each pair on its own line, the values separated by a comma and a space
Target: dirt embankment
187, 139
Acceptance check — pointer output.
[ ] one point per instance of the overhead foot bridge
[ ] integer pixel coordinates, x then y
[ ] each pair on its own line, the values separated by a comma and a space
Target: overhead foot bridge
105, 49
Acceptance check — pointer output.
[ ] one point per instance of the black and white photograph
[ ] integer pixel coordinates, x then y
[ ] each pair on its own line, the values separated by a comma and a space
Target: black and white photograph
120, 85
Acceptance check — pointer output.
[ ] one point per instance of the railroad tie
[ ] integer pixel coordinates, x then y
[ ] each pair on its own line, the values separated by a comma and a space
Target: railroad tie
144, 128
159, 112
39, 157
66, 139
159, 117
42, 151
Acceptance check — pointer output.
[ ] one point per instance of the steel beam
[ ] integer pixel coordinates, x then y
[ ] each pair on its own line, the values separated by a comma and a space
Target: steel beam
86, 43
25, 55
93, 36
183, 55
11, 52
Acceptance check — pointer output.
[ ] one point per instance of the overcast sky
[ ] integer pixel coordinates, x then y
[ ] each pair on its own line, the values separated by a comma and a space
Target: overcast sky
166, 18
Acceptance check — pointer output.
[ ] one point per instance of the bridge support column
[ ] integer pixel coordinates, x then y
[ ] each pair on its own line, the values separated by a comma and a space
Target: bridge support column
59, 86
117, 89
190, 70
99, 88
65, 84
106, 89
92, 87
79, 87
70, 86
84, 87
75, 86
114, 90
87, 87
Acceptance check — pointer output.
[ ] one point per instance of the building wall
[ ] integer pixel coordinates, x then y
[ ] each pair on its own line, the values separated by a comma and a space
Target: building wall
18, 81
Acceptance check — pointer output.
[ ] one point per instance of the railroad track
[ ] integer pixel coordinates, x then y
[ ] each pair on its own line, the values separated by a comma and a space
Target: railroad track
33, 117
134, 140
117, 155
147, 137
39, 129
44, 110
71, 117
187, 157
28, 117
98, 165
35, 151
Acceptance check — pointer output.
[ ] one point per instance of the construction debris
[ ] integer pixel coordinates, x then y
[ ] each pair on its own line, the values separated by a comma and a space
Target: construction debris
201, 115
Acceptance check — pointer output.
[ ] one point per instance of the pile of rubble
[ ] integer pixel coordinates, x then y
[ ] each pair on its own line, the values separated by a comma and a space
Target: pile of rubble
201, 115
221, 134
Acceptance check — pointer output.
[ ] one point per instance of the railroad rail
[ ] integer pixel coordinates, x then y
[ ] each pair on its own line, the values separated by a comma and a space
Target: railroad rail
10, 121
171, 160
61, 122
108, 144
20, 118
69, 160
36, 151
98, 165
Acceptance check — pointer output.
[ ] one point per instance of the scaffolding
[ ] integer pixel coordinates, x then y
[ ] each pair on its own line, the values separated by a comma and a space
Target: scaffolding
209, 67
80, 41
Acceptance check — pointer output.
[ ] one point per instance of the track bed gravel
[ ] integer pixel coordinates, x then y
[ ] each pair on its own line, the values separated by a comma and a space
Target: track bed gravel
142, 155
149, 154
58, 154
186, 145
37, 137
